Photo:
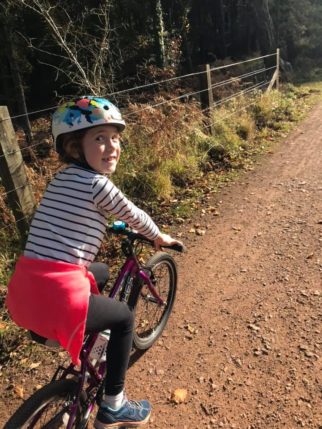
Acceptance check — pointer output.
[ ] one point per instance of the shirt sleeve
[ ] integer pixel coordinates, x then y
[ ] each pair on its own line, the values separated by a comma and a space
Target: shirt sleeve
109, 198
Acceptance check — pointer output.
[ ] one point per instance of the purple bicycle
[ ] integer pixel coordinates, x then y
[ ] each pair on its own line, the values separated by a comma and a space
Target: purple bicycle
150, 290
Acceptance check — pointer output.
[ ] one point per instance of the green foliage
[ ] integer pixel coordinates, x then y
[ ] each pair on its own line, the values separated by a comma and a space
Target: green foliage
161, 154
274, 108
262, 111
299, 27
245, 127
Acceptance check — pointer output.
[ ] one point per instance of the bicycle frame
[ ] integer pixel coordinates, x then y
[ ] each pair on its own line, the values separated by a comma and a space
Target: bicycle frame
131, 268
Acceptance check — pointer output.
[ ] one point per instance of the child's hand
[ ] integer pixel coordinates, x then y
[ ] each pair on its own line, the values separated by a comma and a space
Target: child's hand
165, 240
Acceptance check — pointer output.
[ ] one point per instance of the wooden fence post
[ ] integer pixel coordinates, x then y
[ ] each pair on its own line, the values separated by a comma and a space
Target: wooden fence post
206, 96
278, 55
276, 76
13, 176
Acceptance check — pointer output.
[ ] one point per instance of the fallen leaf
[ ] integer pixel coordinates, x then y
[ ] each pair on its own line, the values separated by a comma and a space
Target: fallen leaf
179, 396
19, 391
34, 365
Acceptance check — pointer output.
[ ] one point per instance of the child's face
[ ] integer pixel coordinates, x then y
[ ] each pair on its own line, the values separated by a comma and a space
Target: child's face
101, 147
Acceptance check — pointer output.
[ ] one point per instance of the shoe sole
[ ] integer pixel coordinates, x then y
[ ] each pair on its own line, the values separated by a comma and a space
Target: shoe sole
100, 425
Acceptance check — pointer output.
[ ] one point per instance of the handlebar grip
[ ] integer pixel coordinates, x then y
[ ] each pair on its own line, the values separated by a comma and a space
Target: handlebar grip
177, 247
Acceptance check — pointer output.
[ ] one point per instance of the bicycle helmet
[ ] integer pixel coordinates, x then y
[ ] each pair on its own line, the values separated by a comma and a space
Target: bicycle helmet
84, 112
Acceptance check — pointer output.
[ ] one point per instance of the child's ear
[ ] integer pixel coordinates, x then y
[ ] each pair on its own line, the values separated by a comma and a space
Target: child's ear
70, 147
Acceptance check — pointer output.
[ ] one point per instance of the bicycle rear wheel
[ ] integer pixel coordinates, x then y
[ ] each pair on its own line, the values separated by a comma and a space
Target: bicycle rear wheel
48, 408
151, 317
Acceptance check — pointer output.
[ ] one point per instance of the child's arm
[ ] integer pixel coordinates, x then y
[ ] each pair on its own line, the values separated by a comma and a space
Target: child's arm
109, 198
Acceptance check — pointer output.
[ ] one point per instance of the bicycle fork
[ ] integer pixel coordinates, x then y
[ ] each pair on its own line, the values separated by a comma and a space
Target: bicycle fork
155, 298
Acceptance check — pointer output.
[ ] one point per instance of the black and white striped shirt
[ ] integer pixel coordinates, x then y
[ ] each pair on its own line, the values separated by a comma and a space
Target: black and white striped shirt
70, 222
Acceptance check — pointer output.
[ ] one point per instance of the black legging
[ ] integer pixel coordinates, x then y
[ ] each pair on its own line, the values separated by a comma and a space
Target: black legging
106, 313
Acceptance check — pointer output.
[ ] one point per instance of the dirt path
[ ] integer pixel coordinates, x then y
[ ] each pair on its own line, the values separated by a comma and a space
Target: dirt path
244, 339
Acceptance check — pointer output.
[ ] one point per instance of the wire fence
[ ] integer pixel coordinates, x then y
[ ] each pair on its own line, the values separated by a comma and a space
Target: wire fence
148, 85
237, 80
159, 104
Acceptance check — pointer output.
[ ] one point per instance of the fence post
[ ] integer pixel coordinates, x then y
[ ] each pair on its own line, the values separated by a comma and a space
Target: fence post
276, 76
206, 96
278, 68
13, 176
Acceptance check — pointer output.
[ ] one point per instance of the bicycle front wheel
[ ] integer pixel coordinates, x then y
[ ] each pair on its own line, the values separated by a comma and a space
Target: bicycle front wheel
150, 316
48, 408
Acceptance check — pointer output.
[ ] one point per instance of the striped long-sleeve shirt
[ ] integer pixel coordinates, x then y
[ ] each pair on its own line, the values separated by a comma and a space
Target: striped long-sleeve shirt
70, 222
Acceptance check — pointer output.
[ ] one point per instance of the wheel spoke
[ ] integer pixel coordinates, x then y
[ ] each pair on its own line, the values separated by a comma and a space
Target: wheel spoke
151, 316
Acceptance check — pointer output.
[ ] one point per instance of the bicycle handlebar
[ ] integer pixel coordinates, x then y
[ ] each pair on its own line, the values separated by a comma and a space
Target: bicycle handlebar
133, 236
177, 247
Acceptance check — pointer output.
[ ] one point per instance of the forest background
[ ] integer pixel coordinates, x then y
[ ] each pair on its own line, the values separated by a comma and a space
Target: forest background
56, 48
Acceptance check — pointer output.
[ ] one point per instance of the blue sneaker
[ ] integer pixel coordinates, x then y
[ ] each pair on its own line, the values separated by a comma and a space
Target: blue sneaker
131, 414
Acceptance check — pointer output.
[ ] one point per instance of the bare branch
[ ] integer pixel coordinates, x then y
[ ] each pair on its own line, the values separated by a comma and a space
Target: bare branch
85, 52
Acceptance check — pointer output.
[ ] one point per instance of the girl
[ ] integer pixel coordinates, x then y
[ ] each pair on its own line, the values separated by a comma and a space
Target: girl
53, 291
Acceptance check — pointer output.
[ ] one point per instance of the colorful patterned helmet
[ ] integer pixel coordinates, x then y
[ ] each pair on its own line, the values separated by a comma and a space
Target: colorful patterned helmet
85, 112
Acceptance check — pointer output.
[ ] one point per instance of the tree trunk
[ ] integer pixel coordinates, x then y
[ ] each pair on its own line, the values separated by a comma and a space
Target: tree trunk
183, 29
159, 34
9, 52
264, 28
220, 39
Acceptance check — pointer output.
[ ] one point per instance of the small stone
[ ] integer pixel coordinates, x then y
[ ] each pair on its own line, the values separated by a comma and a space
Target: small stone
303, 347
253, 327
200, 232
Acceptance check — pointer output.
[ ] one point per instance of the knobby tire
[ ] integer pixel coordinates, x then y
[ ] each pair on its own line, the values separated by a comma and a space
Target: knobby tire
39, 404
147, 312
